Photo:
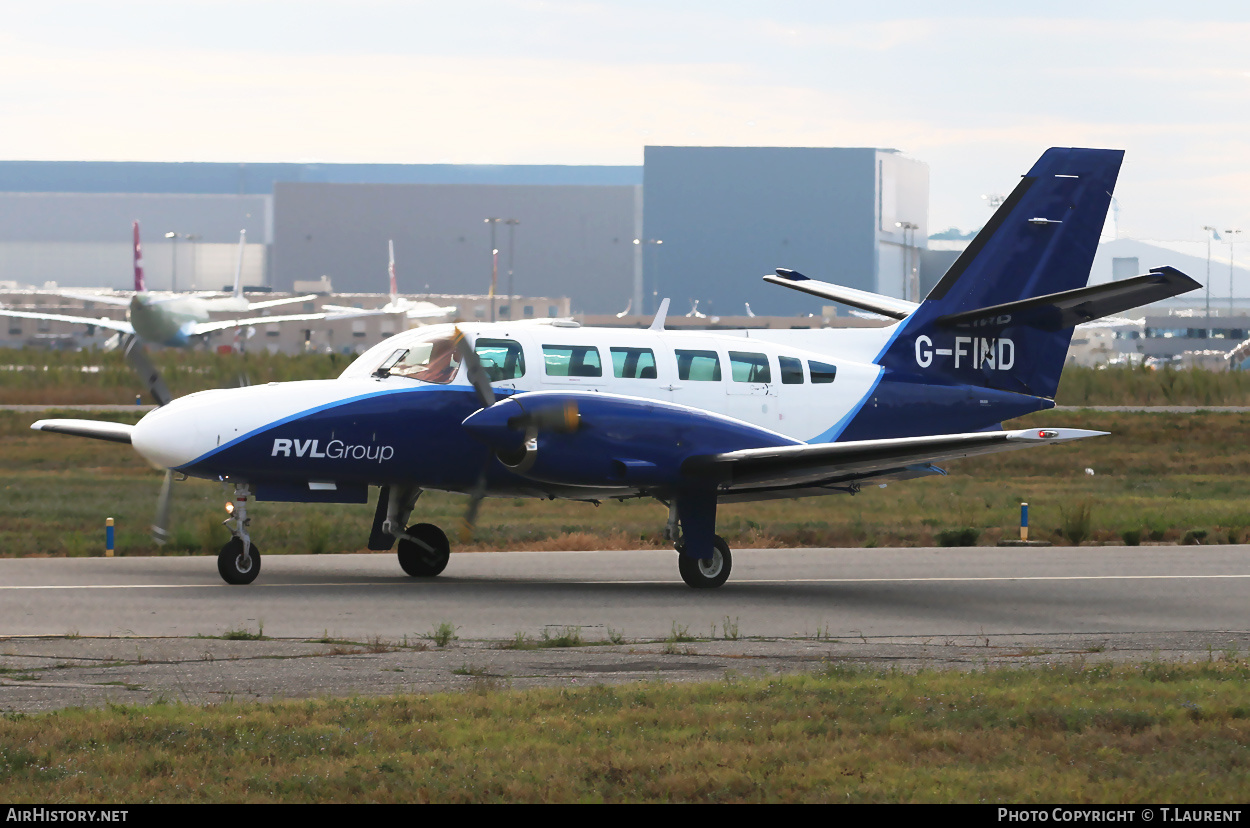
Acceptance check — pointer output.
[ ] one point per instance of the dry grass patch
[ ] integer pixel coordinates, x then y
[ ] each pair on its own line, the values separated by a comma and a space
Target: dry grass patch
1150, 733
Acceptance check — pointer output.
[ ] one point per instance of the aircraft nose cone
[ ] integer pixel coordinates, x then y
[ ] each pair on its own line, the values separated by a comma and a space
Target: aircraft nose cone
166, 438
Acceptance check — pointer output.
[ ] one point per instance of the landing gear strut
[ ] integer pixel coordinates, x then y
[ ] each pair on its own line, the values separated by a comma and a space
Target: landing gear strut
239, 560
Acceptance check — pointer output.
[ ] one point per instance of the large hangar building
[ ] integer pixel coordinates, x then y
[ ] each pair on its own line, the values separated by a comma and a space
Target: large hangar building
729, 215
692, 223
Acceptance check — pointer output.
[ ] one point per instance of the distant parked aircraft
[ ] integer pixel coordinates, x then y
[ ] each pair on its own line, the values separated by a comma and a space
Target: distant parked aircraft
176, 319
411, 309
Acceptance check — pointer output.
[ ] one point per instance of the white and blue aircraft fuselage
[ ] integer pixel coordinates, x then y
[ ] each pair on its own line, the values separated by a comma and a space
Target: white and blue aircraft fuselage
691, 419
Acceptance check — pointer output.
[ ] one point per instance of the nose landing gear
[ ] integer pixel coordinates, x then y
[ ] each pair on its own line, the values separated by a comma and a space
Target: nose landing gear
239, 560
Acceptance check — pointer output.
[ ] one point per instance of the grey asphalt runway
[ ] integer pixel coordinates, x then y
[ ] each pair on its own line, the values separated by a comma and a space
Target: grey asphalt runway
83, 631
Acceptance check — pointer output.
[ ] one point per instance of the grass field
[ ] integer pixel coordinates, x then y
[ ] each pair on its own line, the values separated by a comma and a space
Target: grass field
36, 377
1157, 477
1073, 734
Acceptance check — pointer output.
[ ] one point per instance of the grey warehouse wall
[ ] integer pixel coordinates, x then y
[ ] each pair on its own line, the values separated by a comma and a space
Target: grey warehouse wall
83, 239
106, 217
259, 179
574, 241
729, 215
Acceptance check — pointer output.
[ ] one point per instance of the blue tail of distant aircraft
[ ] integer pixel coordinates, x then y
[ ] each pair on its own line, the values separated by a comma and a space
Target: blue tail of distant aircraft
977, 326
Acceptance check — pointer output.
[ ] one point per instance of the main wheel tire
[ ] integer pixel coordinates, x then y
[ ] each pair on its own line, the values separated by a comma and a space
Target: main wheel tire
706, 573
417, 560
232, 566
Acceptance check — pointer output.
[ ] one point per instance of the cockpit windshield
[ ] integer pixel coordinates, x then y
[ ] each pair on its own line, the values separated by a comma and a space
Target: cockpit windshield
434, 360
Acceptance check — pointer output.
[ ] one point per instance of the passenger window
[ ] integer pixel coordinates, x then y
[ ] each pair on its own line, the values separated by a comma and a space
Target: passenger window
502, 359
822, 372
633, 363
791, 371
749, 367
698, 366
572, 361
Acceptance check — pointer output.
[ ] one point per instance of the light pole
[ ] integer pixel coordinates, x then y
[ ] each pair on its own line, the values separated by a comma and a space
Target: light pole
909, 291
512, 223
655, 267
1210, 235
494, 264
1232, 241
173, 238
193, 238
173, 266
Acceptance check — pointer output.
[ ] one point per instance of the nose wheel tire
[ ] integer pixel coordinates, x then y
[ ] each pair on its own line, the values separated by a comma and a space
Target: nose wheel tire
234, 568
419, 561
706, 573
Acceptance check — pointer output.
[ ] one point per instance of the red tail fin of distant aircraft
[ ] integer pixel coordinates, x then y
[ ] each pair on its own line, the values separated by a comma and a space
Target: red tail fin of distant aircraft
140, 286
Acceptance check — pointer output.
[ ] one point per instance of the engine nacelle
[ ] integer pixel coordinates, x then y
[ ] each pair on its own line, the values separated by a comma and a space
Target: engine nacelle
606, 440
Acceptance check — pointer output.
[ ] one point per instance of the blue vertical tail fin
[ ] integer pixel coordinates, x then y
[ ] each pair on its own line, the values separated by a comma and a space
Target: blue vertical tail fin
1040, 241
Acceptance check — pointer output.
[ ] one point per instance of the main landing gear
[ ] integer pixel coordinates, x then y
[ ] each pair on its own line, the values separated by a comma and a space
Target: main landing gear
706, 573
704, 560
239, 560
424, 550
423, 547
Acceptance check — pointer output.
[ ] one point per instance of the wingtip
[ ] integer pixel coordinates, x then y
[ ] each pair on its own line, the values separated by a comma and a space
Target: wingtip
1055, 435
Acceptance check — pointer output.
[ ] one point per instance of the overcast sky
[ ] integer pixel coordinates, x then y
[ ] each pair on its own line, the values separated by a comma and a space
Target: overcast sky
976, 90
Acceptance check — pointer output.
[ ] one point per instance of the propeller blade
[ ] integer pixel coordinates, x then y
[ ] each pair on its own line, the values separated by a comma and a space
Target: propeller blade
475, 503
160, 529
476, 373
141, 364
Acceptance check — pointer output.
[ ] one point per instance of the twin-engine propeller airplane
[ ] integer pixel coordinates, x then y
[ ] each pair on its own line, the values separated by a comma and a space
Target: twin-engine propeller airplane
691, 419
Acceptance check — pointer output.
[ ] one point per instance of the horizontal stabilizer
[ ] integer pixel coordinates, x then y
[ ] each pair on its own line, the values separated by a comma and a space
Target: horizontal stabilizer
95, 429
1070, 308
875, 302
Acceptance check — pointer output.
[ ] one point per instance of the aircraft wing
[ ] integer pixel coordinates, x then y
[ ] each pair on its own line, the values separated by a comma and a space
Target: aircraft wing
226, 324
118, 325
862, 459
272, 303
102, 298
418, 310
428, 310
344, 310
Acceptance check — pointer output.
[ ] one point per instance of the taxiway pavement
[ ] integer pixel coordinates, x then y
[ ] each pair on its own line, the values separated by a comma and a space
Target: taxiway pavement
89, 630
